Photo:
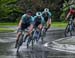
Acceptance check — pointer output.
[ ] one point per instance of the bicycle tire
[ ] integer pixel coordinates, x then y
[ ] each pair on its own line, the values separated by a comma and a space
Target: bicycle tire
68, 30
29, 40
20, 41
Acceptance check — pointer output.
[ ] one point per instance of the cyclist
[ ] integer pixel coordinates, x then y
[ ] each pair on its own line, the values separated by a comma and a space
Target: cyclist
38, 21
71, 13
25, 22
47, 17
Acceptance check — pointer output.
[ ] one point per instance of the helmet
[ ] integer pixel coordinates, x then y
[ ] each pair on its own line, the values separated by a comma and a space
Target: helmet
72, 6
38, 14
46, 10
29, 11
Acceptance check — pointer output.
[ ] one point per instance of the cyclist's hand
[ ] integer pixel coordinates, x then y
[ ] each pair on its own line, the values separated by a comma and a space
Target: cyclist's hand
18, 27
28, 33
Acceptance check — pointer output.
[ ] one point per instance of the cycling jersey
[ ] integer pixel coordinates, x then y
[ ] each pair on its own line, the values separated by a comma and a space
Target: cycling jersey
72, 12
46, 15
38, 20
26, 22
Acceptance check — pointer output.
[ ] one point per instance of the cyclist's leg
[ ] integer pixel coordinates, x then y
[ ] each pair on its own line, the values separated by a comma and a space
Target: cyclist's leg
27, 26
40, 26
19, 32
48, 24
25, 38
29, 33
30, 29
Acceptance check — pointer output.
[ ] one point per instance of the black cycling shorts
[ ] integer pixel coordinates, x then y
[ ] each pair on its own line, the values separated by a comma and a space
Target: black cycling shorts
23, 27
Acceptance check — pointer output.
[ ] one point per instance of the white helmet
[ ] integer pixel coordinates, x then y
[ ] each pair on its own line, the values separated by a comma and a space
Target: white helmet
38, 14
46, 10
72, 6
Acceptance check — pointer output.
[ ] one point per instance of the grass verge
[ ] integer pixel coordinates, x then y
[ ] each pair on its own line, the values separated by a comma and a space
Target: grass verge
59, 24
6, 30
54, 24
8, 24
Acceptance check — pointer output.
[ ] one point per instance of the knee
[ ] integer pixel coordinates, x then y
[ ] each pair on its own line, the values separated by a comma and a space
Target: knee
40, 26
19, 33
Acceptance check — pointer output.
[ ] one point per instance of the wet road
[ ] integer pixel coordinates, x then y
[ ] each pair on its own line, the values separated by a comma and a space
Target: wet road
7, 50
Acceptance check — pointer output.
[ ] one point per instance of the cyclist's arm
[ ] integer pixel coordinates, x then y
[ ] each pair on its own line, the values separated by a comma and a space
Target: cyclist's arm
42, 13
49, 17
21, 20
50, 14
67, 15
49, 20
19, 25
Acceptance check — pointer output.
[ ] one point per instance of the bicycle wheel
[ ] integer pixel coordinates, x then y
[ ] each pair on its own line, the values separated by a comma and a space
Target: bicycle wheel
71, 30
20, 41
32, 42
68, 30
29, 40
33, 38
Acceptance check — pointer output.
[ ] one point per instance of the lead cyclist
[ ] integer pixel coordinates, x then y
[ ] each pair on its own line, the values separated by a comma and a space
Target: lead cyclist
25, 22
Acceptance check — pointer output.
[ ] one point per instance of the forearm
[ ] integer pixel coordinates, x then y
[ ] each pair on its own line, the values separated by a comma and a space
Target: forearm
31, 28
49, 21
20, 23
67, 16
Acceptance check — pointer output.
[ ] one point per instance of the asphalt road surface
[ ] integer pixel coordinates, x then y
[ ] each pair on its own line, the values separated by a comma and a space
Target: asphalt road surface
7, 50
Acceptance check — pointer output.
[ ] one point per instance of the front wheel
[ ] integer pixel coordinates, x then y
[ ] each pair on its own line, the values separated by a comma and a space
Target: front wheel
29, 41
20, 41
68, 31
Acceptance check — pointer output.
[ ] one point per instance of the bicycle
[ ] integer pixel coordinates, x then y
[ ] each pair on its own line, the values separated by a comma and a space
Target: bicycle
69, 28
39, 34
34, 37
21, 39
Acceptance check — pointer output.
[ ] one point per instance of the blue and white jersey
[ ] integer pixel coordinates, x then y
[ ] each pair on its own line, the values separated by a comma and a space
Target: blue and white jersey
39, 20
48, 14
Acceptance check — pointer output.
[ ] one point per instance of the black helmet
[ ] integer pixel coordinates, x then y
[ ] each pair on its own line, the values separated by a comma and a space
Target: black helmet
29, 11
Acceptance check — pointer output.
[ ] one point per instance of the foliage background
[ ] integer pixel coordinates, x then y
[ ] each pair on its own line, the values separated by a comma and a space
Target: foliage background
11, 10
